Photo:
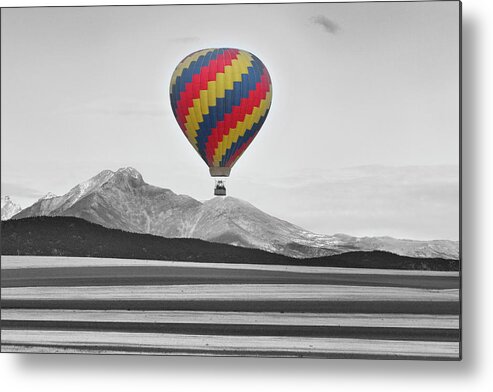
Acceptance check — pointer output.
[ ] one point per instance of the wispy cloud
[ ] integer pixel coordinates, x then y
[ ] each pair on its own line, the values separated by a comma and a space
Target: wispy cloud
186, 39
328, 25
16, 190
118, 107
417, 202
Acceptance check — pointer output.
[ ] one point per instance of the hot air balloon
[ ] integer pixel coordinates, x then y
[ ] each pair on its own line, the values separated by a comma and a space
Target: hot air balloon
220, 99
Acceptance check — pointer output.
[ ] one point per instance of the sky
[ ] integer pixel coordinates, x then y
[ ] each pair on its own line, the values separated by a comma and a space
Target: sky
362, 136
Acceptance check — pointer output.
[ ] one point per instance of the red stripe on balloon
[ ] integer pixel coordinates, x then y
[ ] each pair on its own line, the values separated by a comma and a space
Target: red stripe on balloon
239, 151
207, 74
237, 115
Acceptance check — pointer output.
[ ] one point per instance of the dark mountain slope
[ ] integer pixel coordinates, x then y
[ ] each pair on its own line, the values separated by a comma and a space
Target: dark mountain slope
123, 200
69, 236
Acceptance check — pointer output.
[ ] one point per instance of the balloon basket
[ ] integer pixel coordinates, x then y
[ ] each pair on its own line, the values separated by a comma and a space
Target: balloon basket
220, 188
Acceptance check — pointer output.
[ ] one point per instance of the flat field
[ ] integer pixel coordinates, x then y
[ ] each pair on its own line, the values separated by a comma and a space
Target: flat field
87, 305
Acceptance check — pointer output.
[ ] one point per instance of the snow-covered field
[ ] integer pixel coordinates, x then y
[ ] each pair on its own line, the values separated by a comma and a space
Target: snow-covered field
379, 313
230, 292
216, 344
263, 318
18, 262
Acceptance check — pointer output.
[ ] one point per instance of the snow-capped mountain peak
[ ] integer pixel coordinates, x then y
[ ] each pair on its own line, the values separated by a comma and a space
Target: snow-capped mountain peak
86, 187
9, 208
130, 171
49, 195
123, 200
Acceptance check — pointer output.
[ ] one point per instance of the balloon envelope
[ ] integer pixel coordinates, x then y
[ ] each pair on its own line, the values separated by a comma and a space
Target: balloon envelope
220, 99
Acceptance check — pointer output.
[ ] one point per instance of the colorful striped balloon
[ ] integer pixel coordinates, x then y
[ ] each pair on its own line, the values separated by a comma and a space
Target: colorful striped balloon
220, 98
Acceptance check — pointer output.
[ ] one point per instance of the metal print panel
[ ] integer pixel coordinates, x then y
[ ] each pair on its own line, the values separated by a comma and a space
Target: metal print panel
237, 180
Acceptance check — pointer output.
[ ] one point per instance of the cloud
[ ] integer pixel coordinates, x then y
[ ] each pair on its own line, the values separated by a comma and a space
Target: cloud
185, 39
417, 202
328, 25
117, 107
17, 190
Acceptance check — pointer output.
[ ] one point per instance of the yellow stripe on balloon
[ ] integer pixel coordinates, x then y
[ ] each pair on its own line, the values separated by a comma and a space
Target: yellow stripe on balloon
193, 120
242, 62
204, 102
240, 129
215, 89
232, 73
236, 69
197, 108
185, 64
225, 80
222, 145
191, 127
228, 77
196, 112
239, 66
220, 90
211, 93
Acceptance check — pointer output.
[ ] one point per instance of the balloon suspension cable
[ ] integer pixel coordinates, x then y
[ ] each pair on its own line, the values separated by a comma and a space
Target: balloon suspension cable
220, 189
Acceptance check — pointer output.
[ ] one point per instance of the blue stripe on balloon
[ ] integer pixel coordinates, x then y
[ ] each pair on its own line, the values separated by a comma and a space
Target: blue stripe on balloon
196, 68
217, 112
258, 70
249, 134
188, 73
186, 76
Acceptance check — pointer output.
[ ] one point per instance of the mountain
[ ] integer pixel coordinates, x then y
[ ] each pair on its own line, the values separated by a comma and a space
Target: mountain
123, 200
422, 200
9, 208
69, 236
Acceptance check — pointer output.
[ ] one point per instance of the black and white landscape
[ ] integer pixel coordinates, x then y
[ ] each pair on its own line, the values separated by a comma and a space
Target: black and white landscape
86, 305
107, 305
9, 208
215, 277
123, 200
339, 237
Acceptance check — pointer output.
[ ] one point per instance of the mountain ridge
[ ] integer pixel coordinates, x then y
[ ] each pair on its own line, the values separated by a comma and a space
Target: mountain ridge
9, 208
123, 200
75, 237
